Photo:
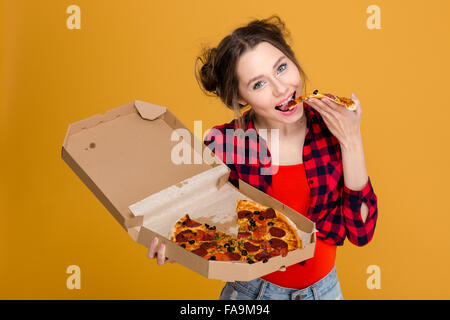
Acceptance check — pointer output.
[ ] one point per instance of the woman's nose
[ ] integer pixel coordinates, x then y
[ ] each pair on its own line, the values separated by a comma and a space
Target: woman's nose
279, 89
281, 93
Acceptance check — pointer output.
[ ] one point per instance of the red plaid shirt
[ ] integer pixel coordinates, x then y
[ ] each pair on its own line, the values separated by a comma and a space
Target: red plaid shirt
334, 208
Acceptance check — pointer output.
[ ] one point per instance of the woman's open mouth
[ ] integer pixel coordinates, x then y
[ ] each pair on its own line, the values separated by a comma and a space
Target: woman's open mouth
284, 107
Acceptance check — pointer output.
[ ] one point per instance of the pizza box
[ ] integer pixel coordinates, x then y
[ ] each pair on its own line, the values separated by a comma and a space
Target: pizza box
129, 158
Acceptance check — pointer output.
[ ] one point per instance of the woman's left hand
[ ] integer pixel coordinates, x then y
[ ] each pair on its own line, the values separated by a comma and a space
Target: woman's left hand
344, 124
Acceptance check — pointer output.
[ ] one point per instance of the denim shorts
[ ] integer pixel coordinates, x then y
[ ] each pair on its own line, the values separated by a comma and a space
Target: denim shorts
327, 288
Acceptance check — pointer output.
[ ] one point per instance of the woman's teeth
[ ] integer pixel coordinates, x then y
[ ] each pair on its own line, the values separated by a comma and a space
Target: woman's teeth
285, 105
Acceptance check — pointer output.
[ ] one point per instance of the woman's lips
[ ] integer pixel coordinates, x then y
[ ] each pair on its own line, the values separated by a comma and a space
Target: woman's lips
288, 106
291, 98
289, 112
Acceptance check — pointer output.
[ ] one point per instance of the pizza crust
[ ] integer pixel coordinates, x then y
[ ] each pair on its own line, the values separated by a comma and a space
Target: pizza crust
294, 230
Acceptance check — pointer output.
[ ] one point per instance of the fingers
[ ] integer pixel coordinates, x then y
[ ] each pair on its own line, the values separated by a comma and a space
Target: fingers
331, 104
152, 249
354, 98
320, 107
161, 258
159, 251
358, 104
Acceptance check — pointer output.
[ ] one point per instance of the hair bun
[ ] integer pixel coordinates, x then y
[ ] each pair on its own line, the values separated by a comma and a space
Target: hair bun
207, 74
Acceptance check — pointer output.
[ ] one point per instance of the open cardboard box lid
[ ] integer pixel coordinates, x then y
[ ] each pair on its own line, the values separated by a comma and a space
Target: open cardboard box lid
125, 157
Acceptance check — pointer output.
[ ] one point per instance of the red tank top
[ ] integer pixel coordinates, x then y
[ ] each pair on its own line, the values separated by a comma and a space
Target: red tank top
289, 185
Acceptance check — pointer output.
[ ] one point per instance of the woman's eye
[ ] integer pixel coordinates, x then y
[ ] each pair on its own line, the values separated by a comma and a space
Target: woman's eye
256, 85
285, 65
282, 67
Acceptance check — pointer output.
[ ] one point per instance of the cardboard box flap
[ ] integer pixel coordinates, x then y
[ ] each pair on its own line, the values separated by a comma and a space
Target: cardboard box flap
123, 158
149, 111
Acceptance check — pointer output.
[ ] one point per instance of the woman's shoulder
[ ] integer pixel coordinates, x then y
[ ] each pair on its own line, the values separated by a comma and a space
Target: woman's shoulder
229, 128
227, 125
218, 131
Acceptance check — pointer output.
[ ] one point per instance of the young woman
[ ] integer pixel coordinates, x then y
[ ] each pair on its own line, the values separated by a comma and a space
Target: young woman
321, 170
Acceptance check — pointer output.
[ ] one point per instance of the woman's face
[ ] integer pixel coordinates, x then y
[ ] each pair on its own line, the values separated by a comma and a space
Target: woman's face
267, 78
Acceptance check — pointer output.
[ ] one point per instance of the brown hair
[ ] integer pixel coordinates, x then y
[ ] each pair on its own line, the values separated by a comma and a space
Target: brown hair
218, 71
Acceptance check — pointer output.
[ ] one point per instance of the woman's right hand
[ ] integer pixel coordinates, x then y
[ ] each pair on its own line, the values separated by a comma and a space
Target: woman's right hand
158, 249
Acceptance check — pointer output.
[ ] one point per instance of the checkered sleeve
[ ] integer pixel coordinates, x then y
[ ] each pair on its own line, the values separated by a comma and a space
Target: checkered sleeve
358, 232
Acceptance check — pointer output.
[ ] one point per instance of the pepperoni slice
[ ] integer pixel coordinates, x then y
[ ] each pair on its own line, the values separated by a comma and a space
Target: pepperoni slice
265, 245
210, 234
200, 252
201, 235
221, 256
192, 224
250, 247
269, 214
187, 232
208, 245
244, 214
284, 252
262, 255
234, 256
278, 243
277, 232
275, 252
244, 235
184, 236
181, 238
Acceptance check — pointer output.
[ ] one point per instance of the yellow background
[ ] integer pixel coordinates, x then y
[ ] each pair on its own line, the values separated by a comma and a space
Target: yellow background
125, 50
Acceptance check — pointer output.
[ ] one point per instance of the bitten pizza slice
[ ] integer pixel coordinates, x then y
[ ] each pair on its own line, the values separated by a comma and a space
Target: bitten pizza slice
204, 240
346, 102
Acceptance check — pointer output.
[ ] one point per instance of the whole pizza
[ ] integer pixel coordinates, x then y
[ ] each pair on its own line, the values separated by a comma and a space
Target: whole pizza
263, 233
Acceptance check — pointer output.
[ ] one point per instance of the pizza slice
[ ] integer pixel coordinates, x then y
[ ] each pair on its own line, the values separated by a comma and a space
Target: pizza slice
204, 240
267, 232
346, 102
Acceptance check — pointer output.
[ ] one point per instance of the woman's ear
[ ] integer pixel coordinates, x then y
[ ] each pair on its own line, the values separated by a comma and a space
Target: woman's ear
242, 102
